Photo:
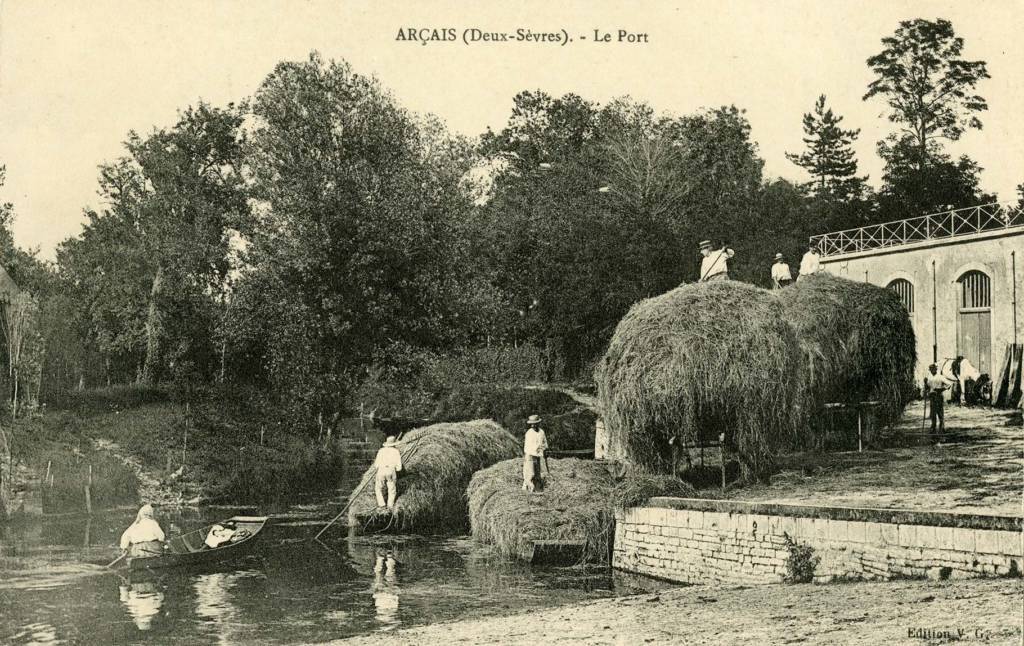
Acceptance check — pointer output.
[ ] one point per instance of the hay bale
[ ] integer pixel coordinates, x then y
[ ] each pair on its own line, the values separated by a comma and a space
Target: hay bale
438, 462
637, 488
576, 505
695, 362
858, 345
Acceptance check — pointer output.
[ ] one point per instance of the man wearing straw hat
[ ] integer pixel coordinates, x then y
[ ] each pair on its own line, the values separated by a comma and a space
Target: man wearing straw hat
715, 265
534, 445
781, 275
811, 262
935, 386
388, 463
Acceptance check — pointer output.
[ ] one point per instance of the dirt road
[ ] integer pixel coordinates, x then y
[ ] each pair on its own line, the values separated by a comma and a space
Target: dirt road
907, 612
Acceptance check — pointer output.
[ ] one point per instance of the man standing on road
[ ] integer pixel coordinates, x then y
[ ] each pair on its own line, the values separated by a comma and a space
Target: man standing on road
388, 463
935, 386
534, 445
810, 263
781, 276
715, 265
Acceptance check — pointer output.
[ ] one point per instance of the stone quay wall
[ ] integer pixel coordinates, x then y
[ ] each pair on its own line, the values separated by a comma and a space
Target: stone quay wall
700, 541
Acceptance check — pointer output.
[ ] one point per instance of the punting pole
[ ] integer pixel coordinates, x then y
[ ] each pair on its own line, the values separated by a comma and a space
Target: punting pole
935, 318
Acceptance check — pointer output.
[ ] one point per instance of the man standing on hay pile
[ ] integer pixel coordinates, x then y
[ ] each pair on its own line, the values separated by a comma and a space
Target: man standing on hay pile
388, 463
811, 262
781, 275
715, 265
935, 386
534, 445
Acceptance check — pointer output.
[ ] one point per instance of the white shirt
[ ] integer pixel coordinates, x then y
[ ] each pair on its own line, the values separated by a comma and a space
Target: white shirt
935, 382
142, 531
780, 272
535, 443
388, 458
716, 263
810, 263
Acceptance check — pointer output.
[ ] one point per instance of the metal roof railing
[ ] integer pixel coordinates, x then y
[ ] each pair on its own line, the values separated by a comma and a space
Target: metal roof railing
936, 226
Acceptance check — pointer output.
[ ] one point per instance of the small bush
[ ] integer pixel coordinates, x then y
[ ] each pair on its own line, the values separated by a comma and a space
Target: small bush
801, 563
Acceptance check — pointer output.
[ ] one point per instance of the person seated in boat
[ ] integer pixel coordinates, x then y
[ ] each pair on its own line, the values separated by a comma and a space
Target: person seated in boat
221, 533
143, 537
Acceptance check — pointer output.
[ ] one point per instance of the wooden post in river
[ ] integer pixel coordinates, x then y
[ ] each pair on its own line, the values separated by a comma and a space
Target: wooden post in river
88, 492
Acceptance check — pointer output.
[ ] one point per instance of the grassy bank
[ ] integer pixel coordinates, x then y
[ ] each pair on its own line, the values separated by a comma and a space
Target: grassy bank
142, 444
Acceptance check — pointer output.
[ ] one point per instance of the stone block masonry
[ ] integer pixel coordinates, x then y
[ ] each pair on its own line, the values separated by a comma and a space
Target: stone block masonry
700, 541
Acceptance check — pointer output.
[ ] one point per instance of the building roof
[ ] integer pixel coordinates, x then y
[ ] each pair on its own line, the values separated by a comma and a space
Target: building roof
975, 222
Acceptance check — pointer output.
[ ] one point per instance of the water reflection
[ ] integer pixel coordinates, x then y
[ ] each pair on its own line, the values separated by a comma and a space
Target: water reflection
385, 588
143, 601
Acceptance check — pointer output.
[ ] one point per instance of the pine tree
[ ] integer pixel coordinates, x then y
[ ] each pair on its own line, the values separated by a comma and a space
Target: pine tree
829, 158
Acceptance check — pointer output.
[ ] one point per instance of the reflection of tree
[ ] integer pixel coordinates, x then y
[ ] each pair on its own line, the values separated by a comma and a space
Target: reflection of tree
142, 600
385, 588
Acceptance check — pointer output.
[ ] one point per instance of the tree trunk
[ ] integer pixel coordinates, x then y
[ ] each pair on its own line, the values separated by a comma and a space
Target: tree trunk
153, 330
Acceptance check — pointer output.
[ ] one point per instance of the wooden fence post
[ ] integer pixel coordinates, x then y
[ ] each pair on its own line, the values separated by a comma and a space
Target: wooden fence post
88, 492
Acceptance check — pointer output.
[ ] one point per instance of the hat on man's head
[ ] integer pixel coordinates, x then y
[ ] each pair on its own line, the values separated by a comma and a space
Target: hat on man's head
932, 365
778, 256
533, 419
391, 441
705, 244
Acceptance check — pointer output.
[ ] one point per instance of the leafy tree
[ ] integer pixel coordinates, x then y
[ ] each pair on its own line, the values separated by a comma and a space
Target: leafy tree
149, 264
914, 187
927, 84
355, 235
829, 157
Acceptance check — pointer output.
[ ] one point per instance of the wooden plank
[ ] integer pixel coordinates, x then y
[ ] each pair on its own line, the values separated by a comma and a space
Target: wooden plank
1000, 386
1013, 389
562, 553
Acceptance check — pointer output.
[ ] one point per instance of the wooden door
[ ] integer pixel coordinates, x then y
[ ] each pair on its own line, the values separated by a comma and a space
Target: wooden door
974, 339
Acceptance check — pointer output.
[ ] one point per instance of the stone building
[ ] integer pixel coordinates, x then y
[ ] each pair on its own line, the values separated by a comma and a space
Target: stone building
958, 273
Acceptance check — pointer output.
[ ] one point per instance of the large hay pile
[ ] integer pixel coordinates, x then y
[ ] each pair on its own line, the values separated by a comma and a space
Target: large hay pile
438, 462
576, 505
858, 345
698, 361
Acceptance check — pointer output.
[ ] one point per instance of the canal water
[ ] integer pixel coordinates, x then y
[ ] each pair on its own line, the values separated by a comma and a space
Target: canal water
55, 590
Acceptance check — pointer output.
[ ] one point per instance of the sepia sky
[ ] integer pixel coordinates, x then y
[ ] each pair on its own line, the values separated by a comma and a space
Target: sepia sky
75, 77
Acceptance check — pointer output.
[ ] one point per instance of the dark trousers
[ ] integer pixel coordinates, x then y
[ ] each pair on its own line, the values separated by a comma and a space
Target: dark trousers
938, 413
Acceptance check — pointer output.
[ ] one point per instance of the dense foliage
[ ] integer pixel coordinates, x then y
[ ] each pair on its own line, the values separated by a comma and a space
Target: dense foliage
324, 246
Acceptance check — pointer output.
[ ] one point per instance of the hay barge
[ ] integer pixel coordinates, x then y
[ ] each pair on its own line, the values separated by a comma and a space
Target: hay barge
438, 462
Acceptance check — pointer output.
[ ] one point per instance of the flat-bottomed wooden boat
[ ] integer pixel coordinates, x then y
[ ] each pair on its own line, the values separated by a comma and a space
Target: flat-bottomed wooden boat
191, 549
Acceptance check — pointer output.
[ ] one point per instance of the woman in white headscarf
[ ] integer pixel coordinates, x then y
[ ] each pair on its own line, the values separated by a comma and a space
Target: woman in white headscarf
143, 537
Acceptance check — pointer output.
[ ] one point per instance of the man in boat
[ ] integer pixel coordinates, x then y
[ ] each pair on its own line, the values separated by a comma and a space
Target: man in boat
534, 445
388, 463
143, 537
715, 265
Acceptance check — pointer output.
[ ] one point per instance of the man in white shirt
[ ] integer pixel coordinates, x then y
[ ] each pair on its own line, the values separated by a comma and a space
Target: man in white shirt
781, 275
534, 445
935, 386
388, 463
811, 262
715, 265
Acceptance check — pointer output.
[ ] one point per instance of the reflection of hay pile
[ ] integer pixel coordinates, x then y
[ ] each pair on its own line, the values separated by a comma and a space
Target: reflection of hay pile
697, 361
857, 341
576, 505
438, 463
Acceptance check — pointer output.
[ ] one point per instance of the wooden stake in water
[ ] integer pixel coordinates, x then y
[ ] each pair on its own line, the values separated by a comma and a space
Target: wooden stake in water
88, 493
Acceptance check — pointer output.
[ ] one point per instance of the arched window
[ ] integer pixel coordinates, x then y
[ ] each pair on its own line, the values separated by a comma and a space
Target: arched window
905, 290
976, 291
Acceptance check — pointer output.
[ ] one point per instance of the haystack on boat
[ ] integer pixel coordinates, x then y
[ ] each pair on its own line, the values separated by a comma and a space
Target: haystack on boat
438, 462
697, 361
575, 507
